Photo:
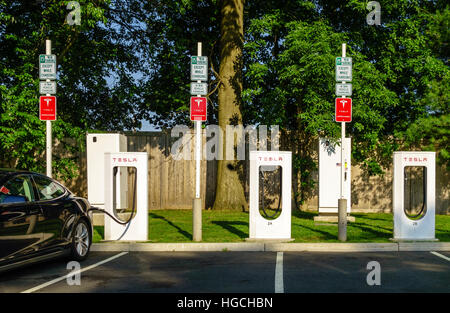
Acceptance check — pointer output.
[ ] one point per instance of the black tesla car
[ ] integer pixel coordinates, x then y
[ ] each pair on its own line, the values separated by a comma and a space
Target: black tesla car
40, 219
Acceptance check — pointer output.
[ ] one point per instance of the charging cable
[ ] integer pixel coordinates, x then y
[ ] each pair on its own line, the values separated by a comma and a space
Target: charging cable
128, 222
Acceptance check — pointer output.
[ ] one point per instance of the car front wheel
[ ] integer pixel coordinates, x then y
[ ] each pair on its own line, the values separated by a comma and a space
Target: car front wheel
81, 241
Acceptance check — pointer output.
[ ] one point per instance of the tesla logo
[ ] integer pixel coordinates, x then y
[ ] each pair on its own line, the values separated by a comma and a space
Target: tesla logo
271, 158
124, 159
415, 159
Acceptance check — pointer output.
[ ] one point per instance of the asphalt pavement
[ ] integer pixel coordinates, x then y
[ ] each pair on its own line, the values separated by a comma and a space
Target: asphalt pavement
237, 272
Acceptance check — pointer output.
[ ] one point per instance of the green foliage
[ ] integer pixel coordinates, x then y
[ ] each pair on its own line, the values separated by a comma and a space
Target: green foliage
96, 88
173, 28
129, 61
400, 77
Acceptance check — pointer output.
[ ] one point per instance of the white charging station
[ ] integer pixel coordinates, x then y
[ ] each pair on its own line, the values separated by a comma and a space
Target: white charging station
137, 229
421, 227
97, 144
280, 227
330, 175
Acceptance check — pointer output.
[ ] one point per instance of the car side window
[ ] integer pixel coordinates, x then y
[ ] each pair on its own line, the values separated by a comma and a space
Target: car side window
47, 189
16, 190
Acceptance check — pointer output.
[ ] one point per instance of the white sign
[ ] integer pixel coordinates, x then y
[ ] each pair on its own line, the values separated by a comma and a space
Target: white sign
137, 228
47, 88
47, 66
259, 226
199, 89
343, 89
199, 68
343, 69
421, 227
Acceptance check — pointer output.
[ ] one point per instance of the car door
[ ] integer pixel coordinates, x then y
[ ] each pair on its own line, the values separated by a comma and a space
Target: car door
20, 234
56, 211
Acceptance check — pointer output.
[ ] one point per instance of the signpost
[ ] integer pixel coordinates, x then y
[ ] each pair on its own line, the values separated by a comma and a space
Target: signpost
198, 110
47, 104
343, 114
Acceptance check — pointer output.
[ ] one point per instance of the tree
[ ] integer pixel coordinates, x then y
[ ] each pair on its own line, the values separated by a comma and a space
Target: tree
229, 190
177, 27
408, 49
288, 60
131, 60
399, 67
96, 89
173, 28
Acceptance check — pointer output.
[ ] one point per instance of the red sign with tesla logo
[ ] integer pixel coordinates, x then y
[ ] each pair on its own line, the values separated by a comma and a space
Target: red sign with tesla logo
343, 110
198, 109
47, 108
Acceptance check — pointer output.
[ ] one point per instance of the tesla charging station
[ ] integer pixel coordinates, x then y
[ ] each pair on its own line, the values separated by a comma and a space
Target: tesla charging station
414, 187
96, 147
137, 228
330, 175
280, 227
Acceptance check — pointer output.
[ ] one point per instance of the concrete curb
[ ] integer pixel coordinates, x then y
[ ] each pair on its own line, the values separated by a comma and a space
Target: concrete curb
169, 247
424, 246
236, 246
262, 246
332, 247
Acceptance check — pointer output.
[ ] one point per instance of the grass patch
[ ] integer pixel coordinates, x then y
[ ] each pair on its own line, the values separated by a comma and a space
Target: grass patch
232, 226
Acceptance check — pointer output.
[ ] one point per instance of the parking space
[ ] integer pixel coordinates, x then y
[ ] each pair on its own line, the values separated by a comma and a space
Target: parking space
236, 272
182, 272
338, 272
24, 278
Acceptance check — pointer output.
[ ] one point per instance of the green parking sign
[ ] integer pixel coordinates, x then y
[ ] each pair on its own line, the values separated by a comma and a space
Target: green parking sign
47, 66
343, 69
199, 68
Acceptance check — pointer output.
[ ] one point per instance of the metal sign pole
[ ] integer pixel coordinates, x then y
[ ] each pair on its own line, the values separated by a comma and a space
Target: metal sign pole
48, 145
198, 129
342, 203
342, 139
197, 205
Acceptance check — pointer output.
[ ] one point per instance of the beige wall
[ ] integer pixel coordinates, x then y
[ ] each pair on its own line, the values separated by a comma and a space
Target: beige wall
172, 182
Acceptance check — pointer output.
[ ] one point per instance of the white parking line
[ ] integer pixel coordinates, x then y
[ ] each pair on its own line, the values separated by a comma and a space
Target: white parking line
279, 284
440, 255
71, 274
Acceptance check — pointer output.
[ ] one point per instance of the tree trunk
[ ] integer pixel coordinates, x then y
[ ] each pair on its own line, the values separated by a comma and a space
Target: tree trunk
229, 190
